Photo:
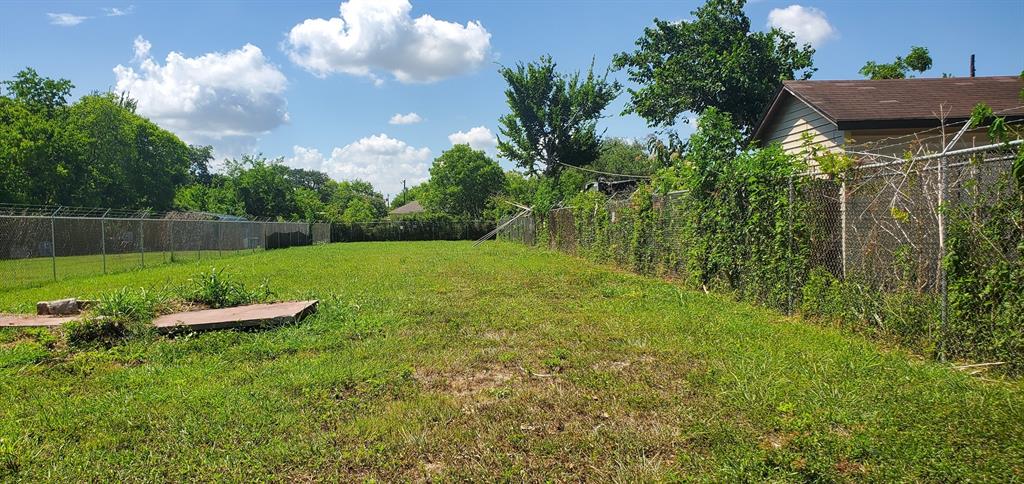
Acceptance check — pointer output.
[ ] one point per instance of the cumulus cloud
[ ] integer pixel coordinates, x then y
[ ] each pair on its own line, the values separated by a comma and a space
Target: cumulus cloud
118, 12
224, 99
141, 47
411, 118
478, 138
808, 24
66, 19
373, 36
379, 159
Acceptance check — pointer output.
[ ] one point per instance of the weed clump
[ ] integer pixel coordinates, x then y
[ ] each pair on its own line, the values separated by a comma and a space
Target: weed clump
217, 289
120, 314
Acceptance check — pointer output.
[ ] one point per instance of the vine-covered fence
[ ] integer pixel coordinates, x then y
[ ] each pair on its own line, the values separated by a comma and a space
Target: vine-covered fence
925, 251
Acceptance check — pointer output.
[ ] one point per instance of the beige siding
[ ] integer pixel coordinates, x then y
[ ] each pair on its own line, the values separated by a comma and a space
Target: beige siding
793, 120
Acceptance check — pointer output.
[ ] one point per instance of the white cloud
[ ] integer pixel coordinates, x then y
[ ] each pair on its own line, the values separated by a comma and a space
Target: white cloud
66, 19
478, 138
224, 99
118, 12
373, 36
808, 24
411, 118
378, 159
142, 47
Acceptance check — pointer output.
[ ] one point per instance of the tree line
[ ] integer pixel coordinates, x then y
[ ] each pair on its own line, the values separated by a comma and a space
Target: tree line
97, 151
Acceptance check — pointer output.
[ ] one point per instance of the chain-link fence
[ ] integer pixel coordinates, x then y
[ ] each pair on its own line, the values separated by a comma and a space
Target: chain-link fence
36, 248
926, 248
40, 244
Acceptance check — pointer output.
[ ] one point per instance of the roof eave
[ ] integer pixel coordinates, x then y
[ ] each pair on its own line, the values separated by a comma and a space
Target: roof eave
773, 107
767, 114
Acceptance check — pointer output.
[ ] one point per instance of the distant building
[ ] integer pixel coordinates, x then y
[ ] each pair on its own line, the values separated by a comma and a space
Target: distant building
410, 208
837, 114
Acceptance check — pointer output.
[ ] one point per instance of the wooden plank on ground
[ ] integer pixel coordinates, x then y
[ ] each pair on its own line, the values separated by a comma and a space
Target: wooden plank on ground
33, 321
237, 317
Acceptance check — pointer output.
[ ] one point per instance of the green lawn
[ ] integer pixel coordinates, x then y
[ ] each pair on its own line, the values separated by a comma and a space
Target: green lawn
437, 360
18, 273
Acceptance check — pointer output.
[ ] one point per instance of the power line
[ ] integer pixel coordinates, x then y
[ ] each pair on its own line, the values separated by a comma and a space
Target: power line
621, 175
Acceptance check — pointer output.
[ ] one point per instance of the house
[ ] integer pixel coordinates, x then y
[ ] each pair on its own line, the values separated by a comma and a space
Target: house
410, 208
888, 117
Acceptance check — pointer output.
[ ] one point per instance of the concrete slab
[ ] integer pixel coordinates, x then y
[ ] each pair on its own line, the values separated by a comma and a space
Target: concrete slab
33, 321
237, 317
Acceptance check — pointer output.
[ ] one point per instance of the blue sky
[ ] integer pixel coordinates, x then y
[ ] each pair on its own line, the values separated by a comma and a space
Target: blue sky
284, 79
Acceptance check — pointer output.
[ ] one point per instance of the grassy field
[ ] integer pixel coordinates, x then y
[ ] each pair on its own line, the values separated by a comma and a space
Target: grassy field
18, 273
437, 360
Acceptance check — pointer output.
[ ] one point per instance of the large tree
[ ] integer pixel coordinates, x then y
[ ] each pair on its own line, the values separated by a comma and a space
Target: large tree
714, 61
462, 180
94, 152
624, 156
356, 201
554, 116
918, 60
262, 186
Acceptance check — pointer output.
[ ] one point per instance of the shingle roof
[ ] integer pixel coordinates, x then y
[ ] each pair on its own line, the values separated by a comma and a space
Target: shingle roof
411, 207
904, 102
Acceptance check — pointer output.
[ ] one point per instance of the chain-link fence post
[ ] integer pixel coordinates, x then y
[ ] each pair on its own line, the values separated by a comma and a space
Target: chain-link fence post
790, 290
170, 231
53, 243
142, 243
842, 224
943, 314
220, 243
103, 239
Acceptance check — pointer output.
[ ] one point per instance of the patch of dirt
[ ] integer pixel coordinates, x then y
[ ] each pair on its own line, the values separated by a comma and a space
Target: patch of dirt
848, 468
466, 384
497, 335
777, 440
637, 364
482, 380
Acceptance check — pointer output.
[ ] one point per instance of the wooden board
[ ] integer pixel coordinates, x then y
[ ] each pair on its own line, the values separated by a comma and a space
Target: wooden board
33, 321
237, 317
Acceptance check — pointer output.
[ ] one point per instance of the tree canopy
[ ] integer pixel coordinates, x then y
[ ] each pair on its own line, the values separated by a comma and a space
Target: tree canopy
918, 60
462, 181
712, 61
254, 185
94, 152
554, 116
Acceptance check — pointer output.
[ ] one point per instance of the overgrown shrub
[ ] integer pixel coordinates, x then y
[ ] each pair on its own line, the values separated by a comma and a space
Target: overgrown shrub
985, 273
901, 314
117, 315
217, 289
745, 222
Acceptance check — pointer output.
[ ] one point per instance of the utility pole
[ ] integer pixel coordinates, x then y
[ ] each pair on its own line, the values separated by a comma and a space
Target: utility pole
972, 65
